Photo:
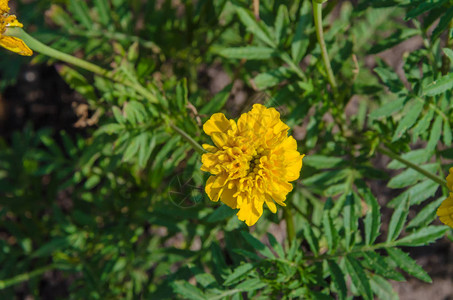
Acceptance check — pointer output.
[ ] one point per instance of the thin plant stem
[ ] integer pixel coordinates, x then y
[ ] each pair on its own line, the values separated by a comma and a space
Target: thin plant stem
448, 44
411, 165
37, 46
317, 14
26, 276
188, 138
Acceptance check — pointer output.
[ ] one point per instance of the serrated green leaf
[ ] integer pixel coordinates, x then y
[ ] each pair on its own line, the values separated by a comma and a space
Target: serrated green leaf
423, 125
434, 136
426, 215
281, 22
408, 120
238, 273
423, 236
398, 219
417, 194
418, 156
404, 262
276, 245
258, 29
251, 53
439, 86
382, 288
81, 12
311, 238
118, 115
251, 284
388, 109
301, 41
379, 265
326, 177
411, 176
350, 221
256, 244
359, 277
271, 78
323, 162
338, 279
372, 219
330, 231
218, 262
187, 290
102, 7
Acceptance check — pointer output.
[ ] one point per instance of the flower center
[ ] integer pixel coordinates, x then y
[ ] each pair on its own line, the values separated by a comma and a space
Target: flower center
254, 163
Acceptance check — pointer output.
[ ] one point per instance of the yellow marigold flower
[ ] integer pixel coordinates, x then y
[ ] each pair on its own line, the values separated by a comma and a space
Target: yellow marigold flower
252, 161
11, 43
445, 210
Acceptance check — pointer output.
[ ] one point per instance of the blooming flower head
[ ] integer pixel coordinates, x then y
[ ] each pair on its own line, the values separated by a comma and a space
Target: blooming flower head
445, 210
11, 43
252, 161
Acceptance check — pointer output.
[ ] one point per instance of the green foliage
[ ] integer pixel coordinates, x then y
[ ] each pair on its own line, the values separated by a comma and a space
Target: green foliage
119, 211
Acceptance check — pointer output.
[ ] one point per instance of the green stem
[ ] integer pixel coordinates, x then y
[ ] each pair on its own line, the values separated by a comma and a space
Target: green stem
188, 138
317, 12
411, 165
26, 276
448, 44
37, 46
290, 232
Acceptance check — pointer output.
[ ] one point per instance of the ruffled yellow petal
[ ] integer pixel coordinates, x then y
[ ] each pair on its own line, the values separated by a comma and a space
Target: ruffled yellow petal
11, 43
271, 205
252, 161
4, 8
218, 123
249, 213
213, 193
445, 211
15, 45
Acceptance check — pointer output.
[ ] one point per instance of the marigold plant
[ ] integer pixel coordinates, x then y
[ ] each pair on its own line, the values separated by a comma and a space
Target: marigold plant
108, 192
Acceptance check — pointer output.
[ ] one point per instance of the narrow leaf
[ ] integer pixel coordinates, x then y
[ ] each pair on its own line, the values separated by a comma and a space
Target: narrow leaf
256, 244
358, 277
398, 219
337, 279
439, 86
407, 264
276, 245
301, 37
350, 220
424, 236
408, 120
426, 215
434, 136
382, 288
239, 273
251, 53
254, 27
372, 219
